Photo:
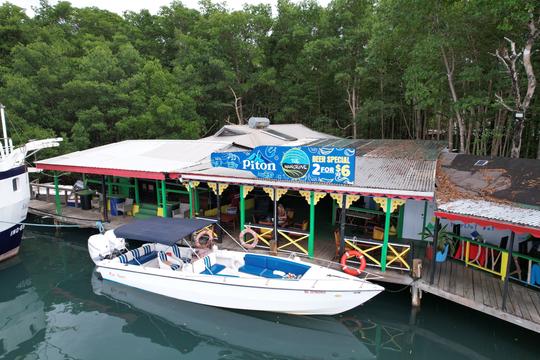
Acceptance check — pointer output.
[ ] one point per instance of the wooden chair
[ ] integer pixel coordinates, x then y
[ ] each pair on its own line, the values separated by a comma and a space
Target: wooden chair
337, 238
125, 207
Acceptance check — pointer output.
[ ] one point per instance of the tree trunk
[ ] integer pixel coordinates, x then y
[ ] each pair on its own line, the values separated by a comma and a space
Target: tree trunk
450, 76
450, 134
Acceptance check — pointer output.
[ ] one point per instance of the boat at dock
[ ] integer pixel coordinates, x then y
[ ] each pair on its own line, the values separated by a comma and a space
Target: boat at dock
15, 188
222, 278
292, 337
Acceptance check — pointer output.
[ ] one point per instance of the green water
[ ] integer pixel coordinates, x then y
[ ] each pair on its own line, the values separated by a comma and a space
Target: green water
52, 307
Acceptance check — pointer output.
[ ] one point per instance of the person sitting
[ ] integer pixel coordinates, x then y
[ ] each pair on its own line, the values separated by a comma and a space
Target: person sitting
282, 216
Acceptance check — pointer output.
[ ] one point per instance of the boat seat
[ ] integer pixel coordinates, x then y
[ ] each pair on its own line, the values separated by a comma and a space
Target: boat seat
207, 265
166, 263
267, 267
143, 259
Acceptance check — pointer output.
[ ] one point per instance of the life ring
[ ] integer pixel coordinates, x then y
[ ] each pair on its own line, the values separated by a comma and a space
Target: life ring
199, 236
243, 233
349, 270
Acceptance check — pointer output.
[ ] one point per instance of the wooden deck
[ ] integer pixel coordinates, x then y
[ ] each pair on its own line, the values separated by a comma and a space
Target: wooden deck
324, 250
75, 216
482, 291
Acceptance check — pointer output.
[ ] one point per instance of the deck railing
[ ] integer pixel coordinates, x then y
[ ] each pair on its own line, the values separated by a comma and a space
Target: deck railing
493, 259
66, 193
480, 255
293, 238
397, 256
532, 265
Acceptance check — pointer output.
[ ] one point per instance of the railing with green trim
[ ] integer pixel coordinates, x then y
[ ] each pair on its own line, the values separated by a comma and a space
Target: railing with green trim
493, 259
481, 255
531, 265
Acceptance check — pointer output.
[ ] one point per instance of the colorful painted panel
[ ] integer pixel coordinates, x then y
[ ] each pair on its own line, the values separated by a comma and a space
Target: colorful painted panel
302, 163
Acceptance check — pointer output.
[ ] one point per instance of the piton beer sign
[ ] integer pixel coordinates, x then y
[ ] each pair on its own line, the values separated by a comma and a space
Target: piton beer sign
302, 163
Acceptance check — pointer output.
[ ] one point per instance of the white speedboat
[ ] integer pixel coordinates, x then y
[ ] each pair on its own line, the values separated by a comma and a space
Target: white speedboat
14, 188
223, 278
292, 337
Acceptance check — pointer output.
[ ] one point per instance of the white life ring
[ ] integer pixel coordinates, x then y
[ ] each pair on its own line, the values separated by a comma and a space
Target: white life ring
243, 233
208, 243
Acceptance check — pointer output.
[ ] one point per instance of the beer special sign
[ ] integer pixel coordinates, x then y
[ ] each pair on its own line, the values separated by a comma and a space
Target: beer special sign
302, 163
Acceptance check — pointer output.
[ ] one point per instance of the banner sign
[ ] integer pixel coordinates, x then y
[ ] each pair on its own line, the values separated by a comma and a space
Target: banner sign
302, 163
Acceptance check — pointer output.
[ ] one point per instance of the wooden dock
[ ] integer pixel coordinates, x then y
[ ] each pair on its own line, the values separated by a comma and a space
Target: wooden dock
75, 216
482, 291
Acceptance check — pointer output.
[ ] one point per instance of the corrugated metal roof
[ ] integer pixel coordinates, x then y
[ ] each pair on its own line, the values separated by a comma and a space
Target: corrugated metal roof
494, 211
392, 149
274, 134
395, 174
141, 155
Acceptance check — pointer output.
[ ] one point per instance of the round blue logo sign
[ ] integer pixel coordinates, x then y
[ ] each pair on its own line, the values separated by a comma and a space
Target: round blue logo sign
295, 163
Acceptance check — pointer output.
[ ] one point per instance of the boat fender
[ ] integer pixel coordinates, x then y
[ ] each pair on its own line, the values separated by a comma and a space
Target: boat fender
242, 235
351, 254
199, 236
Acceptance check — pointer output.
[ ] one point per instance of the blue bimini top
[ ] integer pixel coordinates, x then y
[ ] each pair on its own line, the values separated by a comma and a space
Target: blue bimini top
165, 231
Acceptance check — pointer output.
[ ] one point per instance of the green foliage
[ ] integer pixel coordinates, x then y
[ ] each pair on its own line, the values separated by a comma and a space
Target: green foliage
95, 77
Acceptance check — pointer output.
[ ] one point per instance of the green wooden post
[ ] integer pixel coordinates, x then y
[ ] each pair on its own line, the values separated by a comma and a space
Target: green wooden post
400, 222
242, 208
333, 212
196, 204
311, 240
85, 180
164, 197
386, 232
424, 220
57, 195
137, 198
109, 184
158, 196
190, 194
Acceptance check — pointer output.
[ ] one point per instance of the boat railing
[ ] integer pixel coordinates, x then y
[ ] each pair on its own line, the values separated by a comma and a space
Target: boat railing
366, 275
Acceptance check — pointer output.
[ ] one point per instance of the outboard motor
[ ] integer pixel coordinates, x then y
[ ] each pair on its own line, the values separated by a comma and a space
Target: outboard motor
105, 246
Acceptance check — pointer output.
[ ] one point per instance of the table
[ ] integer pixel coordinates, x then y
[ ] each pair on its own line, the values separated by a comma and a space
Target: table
86, 198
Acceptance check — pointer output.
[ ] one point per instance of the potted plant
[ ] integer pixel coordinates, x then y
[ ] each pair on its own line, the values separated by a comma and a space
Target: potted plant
444, 241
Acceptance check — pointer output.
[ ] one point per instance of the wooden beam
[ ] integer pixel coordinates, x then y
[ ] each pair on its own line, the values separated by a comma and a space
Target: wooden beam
311, 240
57, 195
242, 207
507, 275
384, 251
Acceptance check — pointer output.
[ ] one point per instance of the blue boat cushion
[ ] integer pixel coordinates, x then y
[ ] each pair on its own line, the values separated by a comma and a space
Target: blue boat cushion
207, 265
143, 259
264, 266
214, 269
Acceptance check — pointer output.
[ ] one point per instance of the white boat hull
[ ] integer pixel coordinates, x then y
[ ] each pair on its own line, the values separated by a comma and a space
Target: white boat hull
13, 209
303, 297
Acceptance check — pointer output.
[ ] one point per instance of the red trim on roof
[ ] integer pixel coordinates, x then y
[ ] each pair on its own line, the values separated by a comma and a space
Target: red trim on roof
103, 171
501, 225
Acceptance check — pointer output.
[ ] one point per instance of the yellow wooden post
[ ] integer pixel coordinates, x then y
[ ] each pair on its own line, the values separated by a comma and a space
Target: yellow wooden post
504, 264
467, 253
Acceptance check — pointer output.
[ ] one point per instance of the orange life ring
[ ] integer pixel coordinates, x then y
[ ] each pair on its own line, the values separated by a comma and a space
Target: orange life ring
243, 234
349, 270
200, 235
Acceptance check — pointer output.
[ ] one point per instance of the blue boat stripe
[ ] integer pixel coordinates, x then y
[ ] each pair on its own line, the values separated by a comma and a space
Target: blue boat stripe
12, 172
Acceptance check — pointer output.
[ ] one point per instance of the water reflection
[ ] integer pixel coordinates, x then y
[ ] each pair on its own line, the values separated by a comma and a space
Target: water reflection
259, 334
51, 307
22, 314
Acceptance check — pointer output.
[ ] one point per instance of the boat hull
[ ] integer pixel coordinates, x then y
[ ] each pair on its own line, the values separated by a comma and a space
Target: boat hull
237, 293
13, 209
